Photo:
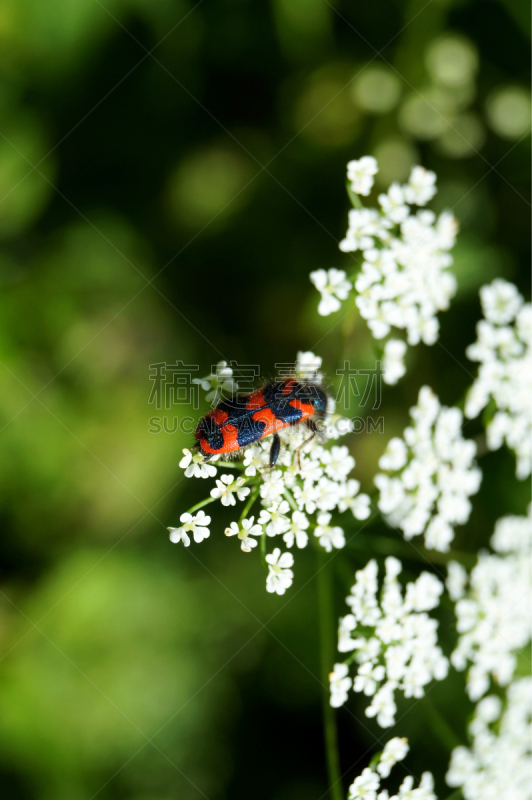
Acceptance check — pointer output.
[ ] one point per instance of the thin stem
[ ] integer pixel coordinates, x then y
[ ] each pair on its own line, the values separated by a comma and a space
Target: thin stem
456, 795
213, 499
291, 501
482, 445
356, 202
385, 545
440, 726
253, 496
263, 551
200, 505
325, 613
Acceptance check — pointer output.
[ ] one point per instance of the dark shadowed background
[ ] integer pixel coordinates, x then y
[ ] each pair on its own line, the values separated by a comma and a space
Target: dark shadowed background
170, 174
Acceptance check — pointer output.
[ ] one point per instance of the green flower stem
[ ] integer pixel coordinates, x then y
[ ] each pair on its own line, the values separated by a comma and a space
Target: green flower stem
482, 445
291, 501
440, 726
386, 546
456, 795
356, 202
263, 551
253, 496
213, 499
200, 505
327, 633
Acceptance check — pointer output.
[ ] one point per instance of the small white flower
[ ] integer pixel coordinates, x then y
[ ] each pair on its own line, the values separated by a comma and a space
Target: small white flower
500, 302
368, 679
273, 487
393, 365
337, 462
274, 518
364, 224
365, 787
395, 750
340, 684
297, 533
360, 507
280, 574
383, 706
195, 466
255, 459
421, 186
245, 531
393, 204
307, 367
336, 426
361, 174
196, 524
333, 287
226, 488
329, 536
305, 496
349, 498
395, 456
327, 494
346, 626
218, 384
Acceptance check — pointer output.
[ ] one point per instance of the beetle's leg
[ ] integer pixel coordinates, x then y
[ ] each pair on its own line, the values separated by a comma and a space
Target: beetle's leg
313, 428
274, 451
274, 454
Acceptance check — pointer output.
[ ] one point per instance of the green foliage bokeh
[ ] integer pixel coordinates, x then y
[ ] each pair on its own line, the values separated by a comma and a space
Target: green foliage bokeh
170, 173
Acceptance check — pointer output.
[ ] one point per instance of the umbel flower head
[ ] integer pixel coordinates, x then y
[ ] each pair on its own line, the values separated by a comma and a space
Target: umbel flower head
301, 500
497, 764
429, 474
368, 784
494, 607
404, 280
392, 639
504, 352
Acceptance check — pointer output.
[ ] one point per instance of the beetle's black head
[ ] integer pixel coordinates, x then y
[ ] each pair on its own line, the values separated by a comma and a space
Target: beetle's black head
314, 395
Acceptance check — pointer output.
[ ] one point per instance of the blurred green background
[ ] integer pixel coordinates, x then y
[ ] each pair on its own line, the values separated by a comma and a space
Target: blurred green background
170, 173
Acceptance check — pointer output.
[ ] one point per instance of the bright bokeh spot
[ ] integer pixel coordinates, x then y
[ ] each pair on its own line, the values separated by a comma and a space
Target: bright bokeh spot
209, 184
377, 89
323, 111
508, 110
452, 60
427, 115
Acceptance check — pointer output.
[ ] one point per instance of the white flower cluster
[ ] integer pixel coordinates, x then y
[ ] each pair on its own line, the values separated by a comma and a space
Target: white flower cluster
299, 495
218, 384
498, 765
494, 612
393, 639
430, 474
503, 349
404, 280
366, 786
